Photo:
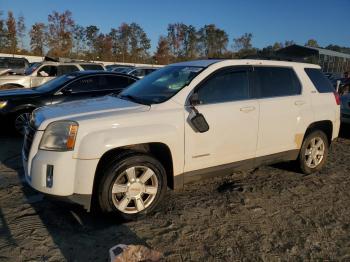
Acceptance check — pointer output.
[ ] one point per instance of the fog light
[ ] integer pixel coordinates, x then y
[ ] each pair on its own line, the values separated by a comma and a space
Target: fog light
49, 176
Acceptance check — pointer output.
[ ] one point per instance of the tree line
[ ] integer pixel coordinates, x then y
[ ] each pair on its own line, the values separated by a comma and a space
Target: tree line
61, 36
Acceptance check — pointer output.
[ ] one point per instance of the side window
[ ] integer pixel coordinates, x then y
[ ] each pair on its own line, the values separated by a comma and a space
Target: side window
276, 81
48, 71
91, 67
118, 82
224, 86
138, 72
66, 69
84, 84
320, 81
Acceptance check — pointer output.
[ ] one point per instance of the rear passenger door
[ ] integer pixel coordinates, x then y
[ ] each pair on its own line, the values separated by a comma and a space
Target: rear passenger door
82, 88
283, 109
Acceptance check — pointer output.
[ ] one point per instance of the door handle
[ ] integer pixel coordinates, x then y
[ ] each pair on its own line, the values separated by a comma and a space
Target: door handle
247, 109
299, 103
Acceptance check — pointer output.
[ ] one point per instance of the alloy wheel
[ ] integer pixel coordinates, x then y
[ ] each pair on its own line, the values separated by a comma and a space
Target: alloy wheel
134, 189
314, 152
21, 122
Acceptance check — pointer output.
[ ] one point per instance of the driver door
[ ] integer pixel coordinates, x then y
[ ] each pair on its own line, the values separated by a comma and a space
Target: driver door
232, 114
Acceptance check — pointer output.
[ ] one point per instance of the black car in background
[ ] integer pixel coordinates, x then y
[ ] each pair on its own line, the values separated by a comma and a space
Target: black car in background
16, 105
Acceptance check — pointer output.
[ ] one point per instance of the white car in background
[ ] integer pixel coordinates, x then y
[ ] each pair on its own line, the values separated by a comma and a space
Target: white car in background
40, 73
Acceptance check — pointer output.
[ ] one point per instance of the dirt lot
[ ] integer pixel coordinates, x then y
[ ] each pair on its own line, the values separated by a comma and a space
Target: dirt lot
268, 214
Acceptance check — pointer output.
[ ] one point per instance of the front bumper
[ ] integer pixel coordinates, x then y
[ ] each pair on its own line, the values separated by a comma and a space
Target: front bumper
69, 177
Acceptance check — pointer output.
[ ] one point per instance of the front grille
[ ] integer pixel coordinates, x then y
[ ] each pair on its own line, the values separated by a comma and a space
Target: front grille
28, 140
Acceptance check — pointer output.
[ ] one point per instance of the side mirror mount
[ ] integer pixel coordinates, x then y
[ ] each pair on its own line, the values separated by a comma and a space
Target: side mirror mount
194, 100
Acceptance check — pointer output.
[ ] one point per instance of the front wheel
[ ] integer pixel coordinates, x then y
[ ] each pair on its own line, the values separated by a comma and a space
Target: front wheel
132, 186
21, 122
313, 153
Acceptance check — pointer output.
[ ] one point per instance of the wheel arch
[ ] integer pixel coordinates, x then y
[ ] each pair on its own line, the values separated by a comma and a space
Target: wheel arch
325, 126
158, 150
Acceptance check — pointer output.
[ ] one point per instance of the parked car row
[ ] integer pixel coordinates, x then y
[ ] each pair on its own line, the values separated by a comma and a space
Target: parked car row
40, 73
180, 124
16, 105
140, 71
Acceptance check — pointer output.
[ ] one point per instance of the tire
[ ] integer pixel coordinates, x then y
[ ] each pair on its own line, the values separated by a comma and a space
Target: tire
132, 186
314, 152
20, 121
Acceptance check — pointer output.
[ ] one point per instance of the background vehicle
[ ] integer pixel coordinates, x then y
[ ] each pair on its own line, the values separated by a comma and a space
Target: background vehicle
141, 72
183, 123
115, 66
345, 108
40, 73
123, 69
16, 105
14, 65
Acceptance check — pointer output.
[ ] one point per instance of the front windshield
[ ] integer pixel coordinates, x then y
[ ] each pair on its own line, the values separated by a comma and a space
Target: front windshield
161, 84
54, 83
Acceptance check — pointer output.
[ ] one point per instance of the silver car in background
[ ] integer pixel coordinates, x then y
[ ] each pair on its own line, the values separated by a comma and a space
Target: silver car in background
40, 73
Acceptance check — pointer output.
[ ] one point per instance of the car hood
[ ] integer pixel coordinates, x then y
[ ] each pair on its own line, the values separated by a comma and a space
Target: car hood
83, 108
15, 93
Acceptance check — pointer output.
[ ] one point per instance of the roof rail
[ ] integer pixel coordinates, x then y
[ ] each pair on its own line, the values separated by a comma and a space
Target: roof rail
274, 57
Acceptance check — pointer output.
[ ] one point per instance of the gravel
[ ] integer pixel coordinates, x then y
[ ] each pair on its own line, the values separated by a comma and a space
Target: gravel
271, 213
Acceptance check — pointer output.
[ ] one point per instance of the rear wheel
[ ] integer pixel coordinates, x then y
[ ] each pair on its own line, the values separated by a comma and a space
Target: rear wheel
132, 186
313, 153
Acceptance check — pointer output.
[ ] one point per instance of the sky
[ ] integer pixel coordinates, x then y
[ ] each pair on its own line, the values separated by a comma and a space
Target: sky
268, 20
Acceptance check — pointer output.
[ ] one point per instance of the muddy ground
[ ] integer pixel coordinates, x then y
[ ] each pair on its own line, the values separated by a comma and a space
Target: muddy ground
272, 213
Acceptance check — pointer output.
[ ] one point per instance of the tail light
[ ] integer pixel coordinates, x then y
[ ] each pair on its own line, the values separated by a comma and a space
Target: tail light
337, 98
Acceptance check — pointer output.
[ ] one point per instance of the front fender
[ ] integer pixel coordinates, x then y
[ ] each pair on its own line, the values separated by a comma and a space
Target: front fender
95, 144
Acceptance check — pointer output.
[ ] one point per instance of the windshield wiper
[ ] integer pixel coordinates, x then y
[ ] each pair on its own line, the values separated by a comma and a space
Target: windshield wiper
133, 99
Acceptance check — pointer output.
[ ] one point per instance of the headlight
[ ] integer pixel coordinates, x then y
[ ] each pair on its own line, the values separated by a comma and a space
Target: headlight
3, 104
59, 136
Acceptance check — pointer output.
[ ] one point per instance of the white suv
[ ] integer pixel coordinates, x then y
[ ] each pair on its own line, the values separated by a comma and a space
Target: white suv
180, 124
40, 73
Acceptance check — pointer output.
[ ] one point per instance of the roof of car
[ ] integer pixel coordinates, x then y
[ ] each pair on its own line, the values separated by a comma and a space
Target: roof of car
69, 63
100, 72
228, 62
199, 63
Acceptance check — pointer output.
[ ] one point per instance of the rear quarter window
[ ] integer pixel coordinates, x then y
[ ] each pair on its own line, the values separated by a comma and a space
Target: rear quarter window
320, 81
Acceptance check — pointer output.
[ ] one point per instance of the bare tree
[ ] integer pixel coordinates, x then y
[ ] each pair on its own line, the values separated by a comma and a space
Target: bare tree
60, 32
212, 41
21, 30
38, 38
162, 56
11, 32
